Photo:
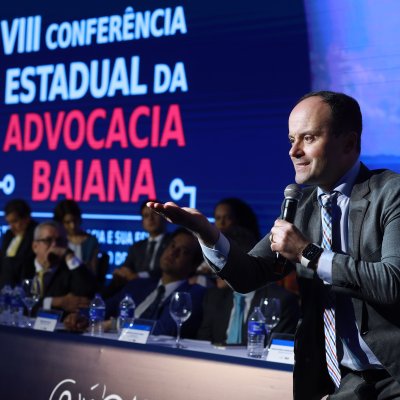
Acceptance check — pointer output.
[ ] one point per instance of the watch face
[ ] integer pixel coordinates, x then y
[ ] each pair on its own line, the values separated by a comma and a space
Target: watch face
311, 251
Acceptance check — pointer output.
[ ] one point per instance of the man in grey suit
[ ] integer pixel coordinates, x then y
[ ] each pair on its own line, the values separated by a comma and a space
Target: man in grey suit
348, 340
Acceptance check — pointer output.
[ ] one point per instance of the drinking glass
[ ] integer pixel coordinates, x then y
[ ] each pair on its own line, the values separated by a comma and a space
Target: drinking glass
31, 288
180, 309
271, 309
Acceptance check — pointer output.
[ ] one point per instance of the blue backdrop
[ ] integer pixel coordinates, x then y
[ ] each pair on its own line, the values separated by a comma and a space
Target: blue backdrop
114, 102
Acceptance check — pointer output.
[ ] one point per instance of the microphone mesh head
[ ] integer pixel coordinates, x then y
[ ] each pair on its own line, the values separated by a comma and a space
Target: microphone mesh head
293, 191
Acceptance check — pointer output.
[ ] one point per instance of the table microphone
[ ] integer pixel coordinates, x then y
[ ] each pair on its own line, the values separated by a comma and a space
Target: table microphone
293, 194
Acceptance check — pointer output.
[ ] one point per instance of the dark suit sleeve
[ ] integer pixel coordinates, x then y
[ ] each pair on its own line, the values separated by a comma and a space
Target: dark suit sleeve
112, 304
82, 282
14, 269
205, 330
193, 323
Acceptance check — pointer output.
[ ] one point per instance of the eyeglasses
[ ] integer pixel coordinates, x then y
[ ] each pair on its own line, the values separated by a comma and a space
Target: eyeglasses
50, 240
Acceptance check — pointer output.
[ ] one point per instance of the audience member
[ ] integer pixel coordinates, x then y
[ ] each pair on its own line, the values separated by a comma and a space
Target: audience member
221, 303
235, 212
66, 283
143, 259
85, 246
230, 213
17, 256
219, 308
152, 296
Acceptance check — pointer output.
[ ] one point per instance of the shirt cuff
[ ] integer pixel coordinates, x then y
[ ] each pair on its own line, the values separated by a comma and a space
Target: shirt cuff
324, 269
47, 303
218, 254
73, 263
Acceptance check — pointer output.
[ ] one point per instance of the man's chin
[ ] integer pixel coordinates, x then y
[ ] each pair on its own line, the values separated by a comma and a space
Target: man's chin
165, 266
304, 180
300, 179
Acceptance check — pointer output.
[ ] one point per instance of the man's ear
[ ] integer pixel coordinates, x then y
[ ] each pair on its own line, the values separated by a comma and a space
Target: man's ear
350, 142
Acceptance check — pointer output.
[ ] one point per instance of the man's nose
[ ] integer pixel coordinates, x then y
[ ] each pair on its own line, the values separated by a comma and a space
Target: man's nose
296, 150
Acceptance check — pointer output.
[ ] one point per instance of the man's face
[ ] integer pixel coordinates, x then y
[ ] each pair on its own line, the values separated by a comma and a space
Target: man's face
152, 222
177, 258
319, 157
16, 223
48, 238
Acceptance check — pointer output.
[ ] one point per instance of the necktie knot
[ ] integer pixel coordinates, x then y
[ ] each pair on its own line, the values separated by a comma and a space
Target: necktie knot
327, 199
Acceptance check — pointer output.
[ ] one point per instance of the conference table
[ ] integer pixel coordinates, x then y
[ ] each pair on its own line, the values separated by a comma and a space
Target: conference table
39, 365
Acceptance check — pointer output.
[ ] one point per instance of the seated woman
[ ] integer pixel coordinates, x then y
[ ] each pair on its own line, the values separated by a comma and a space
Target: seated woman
233, 211
84, 245
230, 213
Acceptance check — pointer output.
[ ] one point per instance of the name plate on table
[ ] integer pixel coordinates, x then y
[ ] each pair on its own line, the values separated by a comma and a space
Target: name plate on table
47, 320
281, 349
138, 332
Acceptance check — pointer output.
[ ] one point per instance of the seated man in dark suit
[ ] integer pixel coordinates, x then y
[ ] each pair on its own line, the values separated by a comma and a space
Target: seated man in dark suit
17, 256
178, 262
221, 302
65, 282
219, 307
143, 259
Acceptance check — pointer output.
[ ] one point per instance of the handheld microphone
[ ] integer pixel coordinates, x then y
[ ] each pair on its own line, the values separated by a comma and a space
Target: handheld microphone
293, 194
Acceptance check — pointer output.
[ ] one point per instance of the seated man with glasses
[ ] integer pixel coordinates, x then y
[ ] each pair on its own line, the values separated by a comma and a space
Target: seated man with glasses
65, 282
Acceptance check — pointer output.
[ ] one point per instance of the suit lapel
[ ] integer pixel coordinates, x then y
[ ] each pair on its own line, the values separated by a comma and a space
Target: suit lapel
141, 250
49, 281
184, 287
357, 209
357, 212
310, 219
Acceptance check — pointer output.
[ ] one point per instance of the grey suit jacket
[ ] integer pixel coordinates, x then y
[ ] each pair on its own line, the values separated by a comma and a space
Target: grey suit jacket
369, 274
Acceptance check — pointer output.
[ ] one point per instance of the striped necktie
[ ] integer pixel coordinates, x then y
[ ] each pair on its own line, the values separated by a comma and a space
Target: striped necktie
329, 313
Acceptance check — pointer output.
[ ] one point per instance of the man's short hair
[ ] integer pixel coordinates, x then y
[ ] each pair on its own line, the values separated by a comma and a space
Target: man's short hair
51, 223
19, 207
345, 111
